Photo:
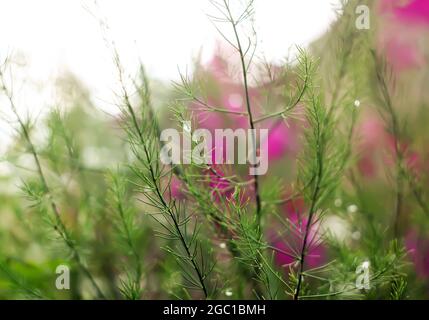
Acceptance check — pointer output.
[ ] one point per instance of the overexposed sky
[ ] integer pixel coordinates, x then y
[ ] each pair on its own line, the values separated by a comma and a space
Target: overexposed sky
58, 35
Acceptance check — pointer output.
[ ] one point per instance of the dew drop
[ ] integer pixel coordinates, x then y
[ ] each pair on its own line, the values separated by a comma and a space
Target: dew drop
352, 208
228, 292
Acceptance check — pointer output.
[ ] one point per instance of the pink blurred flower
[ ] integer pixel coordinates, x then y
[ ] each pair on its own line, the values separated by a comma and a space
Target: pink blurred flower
418, 248
220, 187
229, 95
377, 148
414, 162
281, 140
413, 11
405, 26
403, 54
226, 93
293, 239
218, 67
373, 139
177, 189
209, 120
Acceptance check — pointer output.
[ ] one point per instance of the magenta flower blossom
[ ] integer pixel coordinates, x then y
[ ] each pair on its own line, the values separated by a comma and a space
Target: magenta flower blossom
403, 54
228, 94
376, 149
291, 242
220, 186
218, 67
177, 188
413, 11
281, 141
418, 249
372, 138
404, 28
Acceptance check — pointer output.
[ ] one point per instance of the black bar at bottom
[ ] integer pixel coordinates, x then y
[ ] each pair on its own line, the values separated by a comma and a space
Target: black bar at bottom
173, 309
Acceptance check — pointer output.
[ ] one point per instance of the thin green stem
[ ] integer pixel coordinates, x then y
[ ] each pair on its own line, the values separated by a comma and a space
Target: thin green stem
129, 240
156, 186
311, 212
394, 126
244, 70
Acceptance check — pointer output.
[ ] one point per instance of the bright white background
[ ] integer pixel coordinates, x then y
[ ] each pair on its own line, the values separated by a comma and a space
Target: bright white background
53, 36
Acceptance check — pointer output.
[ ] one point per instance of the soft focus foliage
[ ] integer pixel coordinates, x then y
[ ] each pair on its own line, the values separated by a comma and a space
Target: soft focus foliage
346, 183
